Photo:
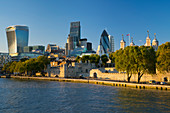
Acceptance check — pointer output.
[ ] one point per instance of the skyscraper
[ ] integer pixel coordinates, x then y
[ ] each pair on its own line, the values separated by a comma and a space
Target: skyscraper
17, 37
75, 33
111, 42
104, 42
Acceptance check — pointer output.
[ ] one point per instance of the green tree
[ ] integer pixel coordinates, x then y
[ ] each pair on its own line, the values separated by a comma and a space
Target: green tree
85, 58
12, 66
135, 60
78, 58
31, 66
145, 61
6, 67
20, 67
104, 59
94, 58
23, 59
112, 57
163, 58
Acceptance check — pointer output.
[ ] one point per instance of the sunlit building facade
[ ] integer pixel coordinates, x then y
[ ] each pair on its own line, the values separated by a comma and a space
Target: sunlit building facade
17, 37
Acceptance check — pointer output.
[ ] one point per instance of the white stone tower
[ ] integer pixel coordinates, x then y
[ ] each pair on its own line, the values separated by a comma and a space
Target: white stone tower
122, 43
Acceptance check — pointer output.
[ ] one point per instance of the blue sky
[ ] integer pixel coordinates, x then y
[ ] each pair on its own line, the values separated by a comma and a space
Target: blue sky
49, 20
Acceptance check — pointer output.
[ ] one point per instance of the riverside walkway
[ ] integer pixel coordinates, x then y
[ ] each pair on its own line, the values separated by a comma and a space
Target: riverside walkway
100, 82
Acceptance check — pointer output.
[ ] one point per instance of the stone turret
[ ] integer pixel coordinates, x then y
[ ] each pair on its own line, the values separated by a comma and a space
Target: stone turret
148, 40
122, 43
132, 43
155, 43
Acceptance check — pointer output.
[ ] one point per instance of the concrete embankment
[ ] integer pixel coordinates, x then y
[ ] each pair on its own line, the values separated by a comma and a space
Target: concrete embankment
100, 82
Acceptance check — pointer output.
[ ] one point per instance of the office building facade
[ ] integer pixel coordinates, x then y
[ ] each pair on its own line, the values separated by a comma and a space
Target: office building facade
104, 42
111, 42
17, 37
75, 33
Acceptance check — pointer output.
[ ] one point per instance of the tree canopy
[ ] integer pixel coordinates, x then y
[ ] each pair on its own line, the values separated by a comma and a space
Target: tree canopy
104, 59
163, 58
31, 66
135, 60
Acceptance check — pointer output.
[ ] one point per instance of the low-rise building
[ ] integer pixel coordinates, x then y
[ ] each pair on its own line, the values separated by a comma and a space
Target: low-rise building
70, 69
18, 56
4, 58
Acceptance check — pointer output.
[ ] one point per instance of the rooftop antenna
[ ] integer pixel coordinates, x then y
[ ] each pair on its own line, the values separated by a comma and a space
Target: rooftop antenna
132, 39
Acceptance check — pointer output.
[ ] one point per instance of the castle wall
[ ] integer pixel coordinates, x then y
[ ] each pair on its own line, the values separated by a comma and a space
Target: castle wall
123, 76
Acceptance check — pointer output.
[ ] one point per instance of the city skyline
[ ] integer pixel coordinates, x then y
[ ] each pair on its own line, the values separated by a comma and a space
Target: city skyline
50, 22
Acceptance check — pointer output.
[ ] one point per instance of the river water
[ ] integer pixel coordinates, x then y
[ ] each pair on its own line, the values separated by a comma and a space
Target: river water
31, 96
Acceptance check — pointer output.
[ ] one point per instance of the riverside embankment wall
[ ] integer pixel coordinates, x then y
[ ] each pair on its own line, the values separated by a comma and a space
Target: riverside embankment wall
123, 77
100, 82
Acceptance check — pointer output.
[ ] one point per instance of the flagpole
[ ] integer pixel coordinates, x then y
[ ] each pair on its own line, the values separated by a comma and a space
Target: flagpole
129, 39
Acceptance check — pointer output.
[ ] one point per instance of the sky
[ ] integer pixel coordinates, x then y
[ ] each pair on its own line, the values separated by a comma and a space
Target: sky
49, 20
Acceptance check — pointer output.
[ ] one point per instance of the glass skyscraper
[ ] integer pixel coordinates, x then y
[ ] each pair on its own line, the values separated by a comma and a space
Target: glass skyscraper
104, 42
17, 37
75, 33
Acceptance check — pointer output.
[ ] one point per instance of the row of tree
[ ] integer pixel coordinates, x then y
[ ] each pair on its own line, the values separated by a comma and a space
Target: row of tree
27, 66
93, 58
140, 60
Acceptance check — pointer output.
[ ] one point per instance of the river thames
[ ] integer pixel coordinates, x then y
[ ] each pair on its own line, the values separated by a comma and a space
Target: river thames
31, 96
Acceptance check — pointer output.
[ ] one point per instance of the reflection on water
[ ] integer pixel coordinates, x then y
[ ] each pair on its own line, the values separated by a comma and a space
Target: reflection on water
50, 96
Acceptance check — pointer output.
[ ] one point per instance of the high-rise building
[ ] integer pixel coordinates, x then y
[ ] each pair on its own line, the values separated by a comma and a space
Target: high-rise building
111, 42
89, 46
17, 37
100, 50
69, 45
122, 43
75, 33
104, 42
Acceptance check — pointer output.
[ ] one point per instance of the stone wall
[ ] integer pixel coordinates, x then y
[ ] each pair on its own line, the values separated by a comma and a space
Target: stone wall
123, 76
70, 70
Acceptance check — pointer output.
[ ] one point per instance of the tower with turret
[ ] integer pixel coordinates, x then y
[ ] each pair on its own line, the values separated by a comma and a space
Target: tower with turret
148, 40
132, 43
122, 43
155, 43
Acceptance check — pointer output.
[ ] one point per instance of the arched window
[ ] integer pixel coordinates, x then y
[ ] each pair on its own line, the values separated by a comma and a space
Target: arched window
95, 75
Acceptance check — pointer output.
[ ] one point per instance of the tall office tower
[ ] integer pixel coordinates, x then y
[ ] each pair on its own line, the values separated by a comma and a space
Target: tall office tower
69, 45
111, 42
155, 43
132, 43
104, 42
89, 46
148, 40
75, 33
122, 43
66, 49
17, 37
